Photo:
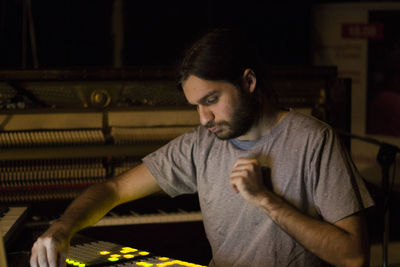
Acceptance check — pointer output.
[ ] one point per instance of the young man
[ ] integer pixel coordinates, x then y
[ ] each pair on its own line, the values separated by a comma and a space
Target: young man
275, 186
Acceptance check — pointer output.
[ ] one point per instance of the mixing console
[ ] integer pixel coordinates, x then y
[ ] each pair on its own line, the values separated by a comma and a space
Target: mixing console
101, 253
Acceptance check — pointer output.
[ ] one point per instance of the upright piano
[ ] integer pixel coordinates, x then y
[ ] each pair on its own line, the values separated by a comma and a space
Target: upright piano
63, 130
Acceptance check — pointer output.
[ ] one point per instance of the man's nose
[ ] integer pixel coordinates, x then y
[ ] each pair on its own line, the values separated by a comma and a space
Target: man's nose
205, 114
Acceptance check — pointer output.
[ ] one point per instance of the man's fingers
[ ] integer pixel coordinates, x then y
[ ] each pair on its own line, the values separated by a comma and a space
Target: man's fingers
244, 170
33, 260
48, 252
52, 254
245, 162
239, 172
42, 256
237, 179
235, 188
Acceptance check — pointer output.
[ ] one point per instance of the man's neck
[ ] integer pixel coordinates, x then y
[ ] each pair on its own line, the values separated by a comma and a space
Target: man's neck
268, 120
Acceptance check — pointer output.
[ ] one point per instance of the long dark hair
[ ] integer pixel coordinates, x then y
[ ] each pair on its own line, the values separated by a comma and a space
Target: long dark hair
224, 55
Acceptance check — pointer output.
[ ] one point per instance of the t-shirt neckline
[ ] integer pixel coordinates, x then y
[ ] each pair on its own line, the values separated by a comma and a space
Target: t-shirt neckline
250, 144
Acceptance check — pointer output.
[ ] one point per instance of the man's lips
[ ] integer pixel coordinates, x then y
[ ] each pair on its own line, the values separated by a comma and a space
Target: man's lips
213, 129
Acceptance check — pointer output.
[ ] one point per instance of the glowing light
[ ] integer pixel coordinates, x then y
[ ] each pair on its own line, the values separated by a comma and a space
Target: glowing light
113, 259
163, 258
115, 256
129, 256
144, 253
104, 252
128, 250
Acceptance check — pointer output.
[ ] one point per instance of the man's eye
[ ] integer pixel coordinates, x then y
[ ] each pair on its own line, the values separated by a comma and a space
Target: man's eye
211, 100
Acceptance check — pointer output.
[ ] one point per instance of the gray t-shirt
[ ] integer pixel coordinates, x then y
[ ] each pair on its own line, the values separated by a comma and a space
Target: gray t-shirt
303, 162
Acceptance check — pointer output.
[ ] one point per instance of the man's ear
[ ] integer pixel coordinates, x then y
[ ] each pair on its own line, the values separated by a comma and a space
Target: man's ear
249, 80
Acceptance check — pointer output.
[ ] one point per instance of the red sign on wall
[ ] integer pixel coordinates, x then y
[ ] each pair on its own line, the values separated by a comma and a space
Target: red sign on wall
363, 30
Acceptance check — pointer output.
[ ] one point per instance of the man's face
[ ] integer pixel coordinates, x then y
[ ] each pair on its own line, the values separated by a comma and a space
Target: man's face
223, 108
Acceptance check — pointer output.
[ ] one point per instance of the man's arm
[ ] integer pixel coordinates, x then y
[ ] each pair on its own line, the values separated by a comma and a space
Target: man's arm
343, 243
51, 248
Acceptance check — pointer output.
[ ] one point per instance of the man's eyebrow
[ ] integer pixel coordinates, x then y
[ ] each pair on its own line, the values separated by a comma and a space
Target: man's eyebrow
204, 98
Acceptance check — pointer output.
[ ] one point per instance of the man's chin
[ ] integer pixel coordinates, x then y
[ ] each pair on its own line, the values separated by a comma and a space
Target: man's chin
224, 135
226, 132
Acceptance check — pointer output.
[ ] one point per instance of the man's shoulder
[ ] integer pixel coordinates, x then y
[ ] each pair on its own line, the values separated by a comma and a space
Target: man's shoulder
307, 121
305, 126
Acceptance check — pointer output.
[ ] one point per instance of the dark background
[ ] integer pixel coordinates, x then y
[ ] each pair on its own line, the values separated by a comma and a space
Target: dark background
73, 33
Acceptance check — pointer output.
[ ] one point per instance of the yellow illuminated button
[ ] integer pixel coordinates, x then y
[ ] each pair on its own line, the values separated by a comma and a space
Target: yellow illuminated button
129, 256
145, 264
115, 256
113, 259
104, 252
144, 253
163, 258
76, 263
128, 250
82, 265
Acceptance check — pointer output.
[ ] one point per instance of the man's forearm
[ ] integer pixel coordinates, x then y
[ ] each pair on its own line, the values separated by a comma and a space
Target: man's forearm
88, 208
329, 242
343, 243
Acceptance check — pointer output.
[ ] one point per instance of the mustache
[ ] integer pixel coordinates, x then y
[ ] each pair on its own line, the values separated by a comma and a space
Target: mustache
210, 124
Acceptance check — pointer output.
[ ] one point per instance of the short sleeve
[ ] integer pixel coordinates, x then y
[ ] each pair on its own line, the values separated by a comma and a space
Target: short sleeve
339, 190
173, 165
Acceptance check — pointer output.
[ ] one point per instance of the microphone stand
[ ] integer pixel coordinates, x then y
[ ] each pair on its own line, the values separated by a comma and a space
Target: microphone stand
386, 157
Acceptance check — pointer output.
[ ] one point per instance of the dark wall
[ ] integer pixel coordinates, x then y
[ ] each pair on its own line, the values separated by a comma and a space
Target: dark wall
71, 33
67, 33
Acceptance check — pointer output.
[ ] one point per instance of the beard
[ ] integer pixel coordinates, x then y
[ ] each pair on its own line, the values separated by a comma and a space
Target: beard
242, 120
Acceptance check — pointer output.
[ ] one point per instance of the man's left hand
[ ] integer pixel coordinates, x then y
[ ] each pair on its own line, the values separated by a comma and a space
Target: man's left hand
247, 180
